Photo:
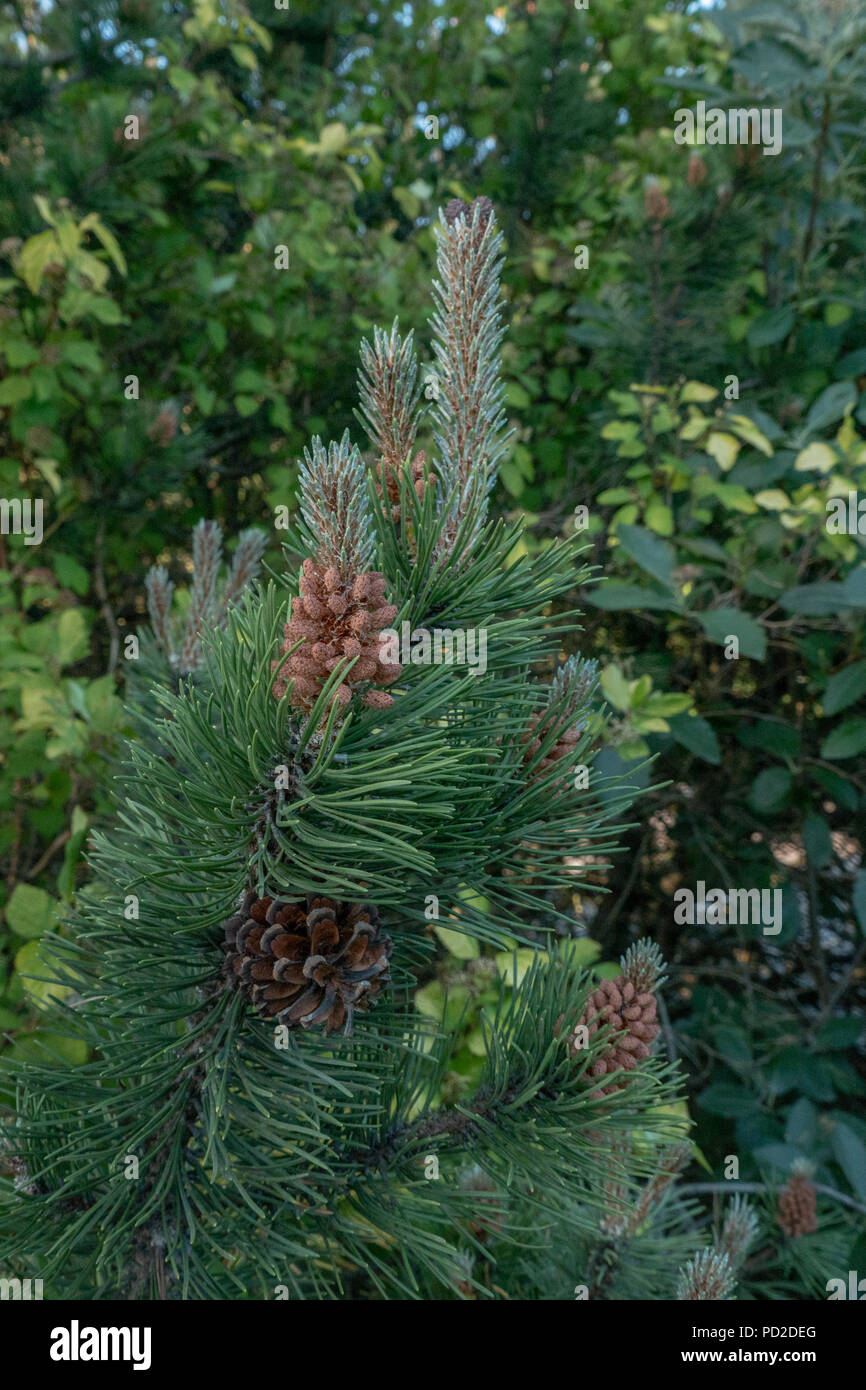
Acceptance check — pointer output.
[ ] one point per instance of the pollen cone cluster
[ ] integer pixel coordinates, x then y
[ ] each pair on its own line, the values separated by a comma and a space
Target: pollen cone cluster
336, 619
388, 484
798, 1208
567, 739
307, 964
626, 1009
632, 1016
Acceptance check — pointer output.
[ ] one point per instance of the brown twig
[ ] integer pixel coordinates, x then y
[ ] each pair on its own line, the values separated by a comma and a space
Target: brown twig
102, 594
56, 844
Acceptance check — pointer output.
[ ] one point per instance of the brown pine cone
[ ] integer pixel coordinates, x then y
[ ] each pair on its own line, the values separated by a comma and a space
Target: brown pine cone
798, 1207
336, 618
307, 964
617, 1002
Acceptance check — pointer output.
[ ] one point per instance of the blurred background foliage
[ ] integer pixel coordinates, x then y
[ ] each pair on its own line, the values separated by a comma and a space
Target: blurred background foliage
204, 207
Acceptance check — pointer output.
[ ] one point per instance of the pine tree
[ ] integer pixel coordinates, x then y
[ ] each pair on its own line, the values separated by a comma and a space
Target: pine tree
260, 1115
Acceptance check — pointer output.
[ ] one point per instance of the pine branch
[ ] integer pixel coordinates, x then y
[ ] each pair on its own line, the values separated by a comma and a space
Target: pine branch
159, 595
337, 521
467, 328
389, 393
246, 563
206, 557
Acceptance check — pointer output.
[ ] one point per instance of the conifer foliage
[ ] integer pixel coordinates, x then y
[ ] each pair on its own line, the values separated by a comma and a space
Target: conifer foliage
261, 1115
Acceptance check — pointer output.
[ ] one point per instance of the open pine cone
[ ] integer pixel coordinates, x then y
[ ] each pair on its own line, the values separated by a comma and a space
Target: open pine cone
618, 1003
307, 964
336, 618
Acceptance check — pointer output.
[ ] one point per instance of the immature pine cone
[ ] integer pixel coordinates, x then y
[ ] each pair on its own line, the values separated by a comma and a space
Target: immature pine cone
617, 1002
336, 619
798, 1208
307, 964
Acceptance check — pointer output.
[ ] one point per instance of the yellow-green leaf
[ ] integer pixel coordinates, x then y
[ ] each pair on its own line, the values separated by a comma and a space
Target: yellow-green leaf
816, 456
773, 499
333, 138
723, 448
72, 641
30, 911
513, 965
748, 431
697, 391
458, 943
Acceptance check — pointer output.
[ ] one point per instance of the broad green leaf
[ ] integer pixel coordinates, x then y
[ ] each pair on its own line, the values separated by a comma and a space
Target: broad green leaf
846, 741
458, 943
730, 1101
844, 688
660, 518
817, 600
771, 327
614, 597
37, 976
837, 1034
615, 688
662, 704
72, 637
15, 389
580, 951
801, 1128
832, 404
653, 555
620, 429
697, 391
722, 623
445, 1010
850, 1153
817, 841
244, 56
37, 253
333, 138
30, 911
773, 499
748, 431
770, 789
513, 965
723, 448
697, 735
816, 457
